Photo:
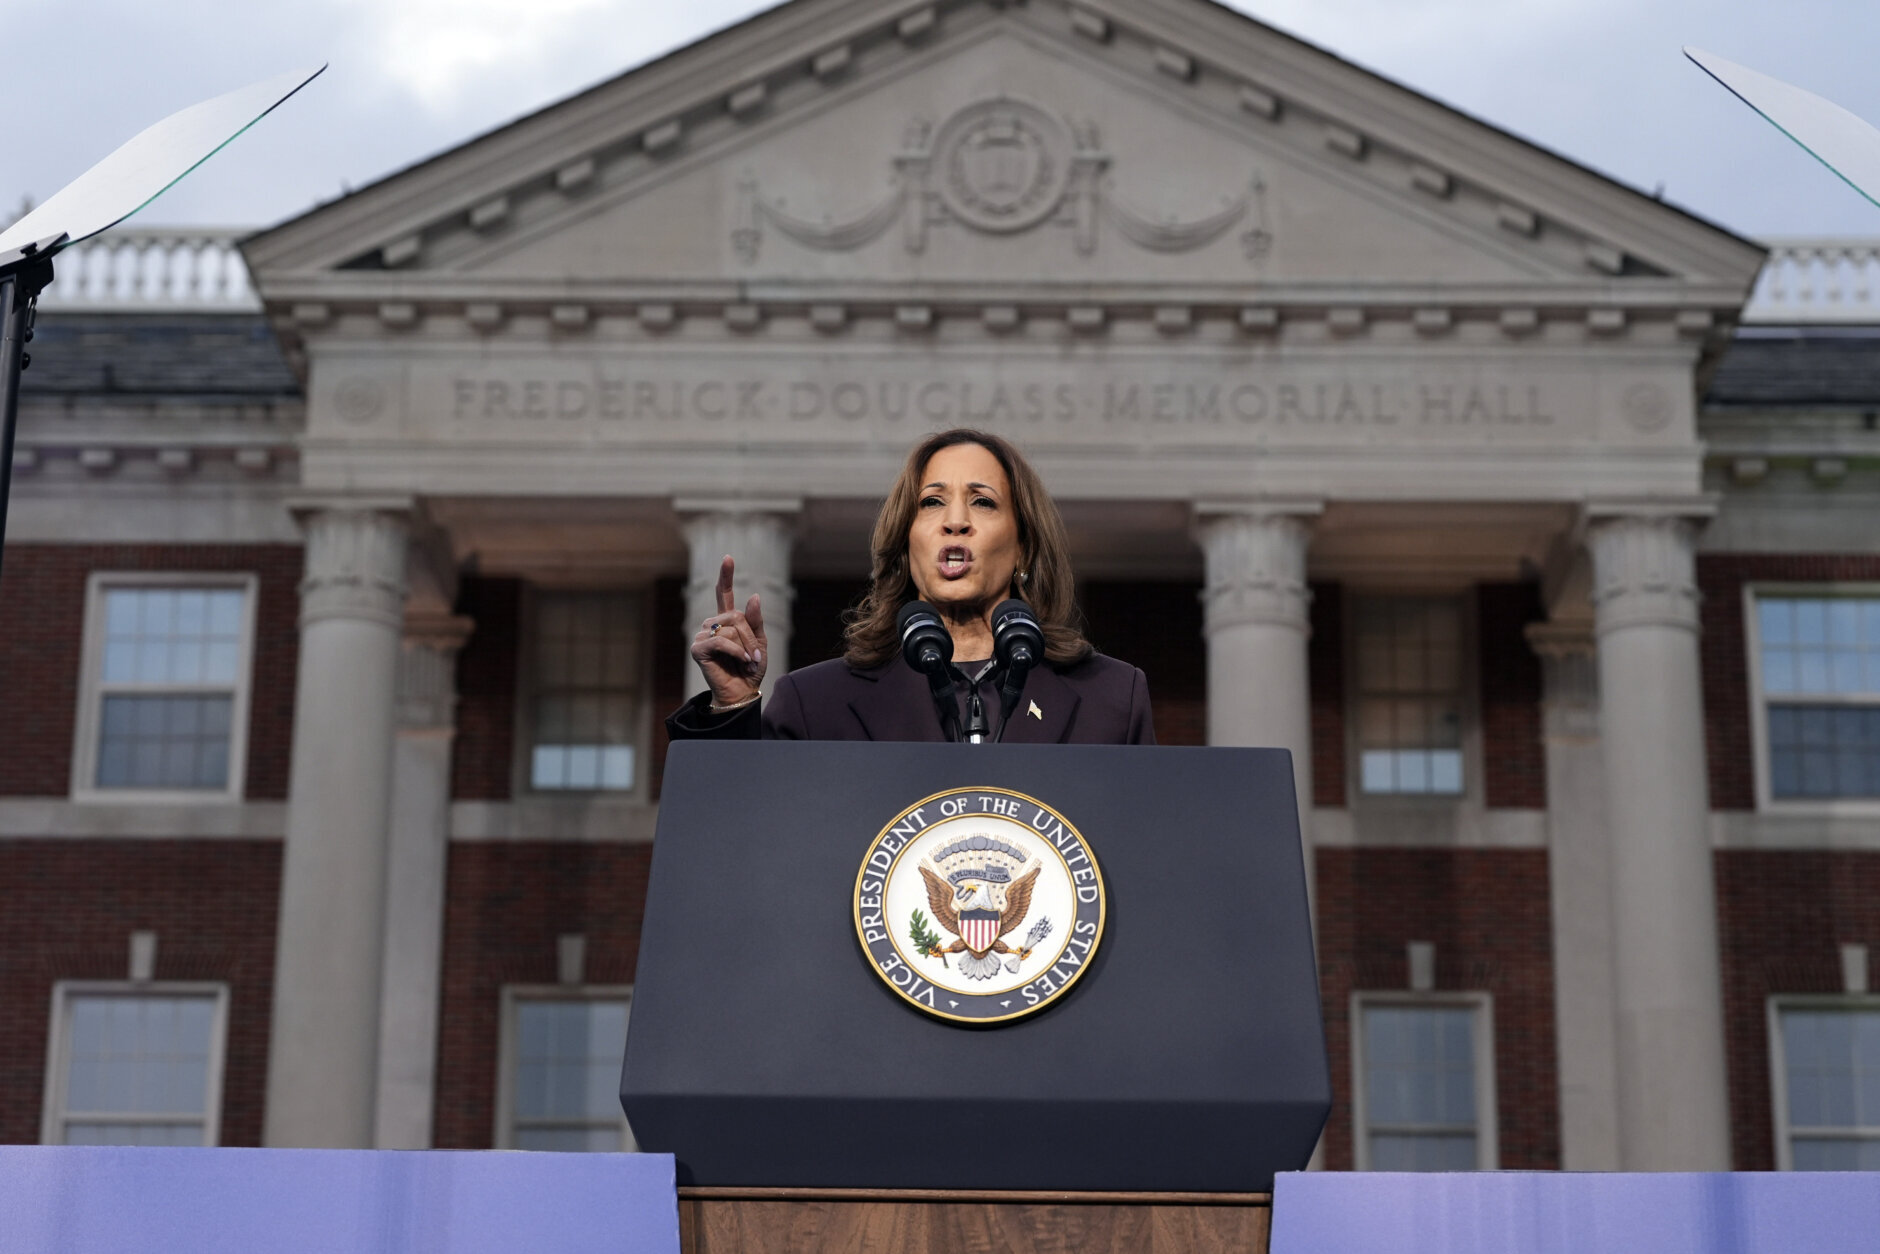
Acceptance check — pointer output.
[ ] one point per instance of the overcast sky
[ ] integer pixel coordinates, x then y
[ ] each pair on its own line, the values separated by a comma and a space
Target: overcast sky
1600, 81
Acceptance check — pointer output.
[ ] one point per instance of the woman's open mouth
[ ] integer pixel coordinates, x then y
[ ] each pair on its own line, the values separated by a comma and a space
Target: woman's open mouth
955, 561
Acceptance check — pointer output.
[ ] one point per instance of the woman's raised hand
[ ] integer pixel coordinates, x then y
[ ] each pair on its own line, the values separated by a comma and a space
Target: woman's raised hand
730, 646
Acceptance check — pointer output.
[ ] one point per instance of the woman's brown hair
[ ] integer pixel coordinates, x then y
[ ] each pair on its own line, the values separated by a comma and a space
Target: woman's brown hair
1043, 555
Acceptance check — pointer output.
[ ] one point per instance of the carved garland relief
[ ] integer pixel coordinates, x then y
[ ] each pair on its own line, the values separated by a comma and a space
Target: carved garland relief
1001, 166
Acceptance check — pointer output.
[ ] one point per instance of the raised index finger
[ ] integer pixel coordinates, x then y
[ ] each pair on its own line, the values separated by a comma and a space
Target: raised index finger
726, 601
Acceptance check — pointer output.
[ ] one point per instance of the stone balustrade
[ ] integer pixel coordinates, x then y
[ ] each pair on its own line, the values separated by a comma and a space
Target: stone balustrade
1818, 279
172, 268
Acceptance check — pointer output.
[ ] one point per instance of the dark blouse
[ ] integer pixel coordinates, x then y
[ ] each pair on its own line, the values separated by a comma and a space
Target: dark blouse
1098, 701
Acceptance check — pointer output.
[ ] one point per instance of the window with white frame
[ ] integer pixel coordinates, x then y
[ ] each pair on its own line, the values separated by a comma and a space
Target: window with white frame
1423, 1093
560, 1084
585, 691
1409, 695
165, 693
1825, 1056
135, 1064
1819, 665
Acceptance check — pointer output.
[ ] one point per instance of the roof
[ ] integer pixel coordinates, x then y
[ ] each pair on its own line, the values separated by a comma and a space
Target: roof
174, 356
1799, 366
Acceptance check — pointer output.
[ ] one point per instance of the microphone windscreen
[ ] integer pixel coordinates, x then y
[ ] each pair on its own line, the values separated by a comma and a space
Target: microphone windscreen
912, 610
925, 641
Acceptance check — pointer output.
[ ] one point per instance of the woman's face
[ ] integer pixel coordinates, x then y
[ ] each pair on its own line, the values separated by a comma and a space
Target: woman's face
963, 547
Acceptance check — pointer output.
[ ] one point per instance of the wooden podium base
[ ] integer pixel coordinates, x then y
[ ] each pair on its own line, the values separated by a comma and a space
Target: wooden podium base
941, 1221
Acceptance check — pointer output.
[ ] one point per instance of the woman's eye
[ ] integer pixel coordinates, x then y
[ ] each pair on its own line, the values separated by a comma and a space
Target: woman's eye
929, 501
986, 501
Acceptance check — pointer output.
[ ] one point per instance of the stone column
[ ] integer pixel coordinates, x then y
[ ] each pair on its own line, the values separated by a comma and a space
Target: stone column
1673, 1100
1257, 621
758, 534
415, 877
324, 1036
1580, 878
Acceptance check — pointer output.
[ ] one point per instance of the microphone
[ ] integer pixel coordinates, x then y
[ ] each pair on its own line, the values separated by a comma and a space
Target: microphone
1017, 646
925, 641
927, 646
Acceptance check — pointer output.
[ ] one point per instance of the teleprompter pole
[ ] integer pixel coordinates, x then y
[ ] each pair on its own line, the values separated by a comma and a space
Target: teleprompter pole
20, 285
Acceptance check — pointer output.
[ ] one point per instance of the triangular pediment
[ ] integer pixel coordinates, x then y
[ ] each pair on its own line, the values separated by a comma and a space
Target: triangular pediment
1137, 143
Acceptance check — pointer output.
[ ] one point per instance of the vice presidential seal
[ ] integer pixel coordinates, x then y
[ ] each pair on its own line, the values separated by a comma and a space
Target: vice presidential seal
979, 904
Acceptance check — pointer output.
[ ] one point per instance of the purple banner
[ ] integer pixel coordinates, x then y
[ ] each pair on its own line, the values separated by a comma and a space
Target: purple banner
107, 1200
1511, 1212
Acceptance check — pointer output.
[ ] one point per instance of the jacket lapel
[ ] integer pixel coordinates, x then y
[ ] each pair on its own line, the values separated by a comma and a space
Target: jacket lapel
1056, 703
894, 704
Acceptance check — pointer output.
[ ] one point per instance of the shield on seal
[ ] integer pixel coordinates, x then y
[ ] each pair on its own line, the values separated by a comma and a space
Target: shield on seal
979, 928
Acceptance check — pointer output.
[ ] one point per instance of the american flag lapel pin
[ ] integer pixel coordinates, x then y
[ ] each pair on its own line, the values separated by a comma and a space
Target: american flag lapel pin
1035, 712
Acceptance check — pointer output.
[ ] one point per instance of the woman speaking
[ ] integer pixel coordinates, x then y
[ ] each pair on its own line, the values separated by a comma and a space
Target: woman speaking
967, 530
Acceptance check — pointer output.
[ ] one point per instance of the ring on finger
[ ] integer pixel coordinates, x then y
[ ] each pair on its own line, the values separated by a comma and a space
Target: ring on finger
715, 627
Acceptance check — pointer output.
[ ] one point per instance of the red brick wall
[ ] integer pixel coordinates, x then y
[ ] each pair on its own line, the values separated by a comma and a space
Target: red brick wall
42, 628
67, 909
505, 904
1487, 912
1514, 763
1326, 665
1782, 915
483, 757
1720, 577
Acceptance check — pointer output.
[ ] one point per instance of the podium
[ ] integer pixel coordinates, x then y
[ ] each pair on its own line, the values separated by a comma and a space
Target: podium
790, 1057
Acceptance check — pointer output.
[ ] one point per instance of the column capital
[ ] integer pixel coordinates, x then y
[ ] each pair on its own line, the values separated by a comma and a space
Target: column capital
1256, 563
688, 507
1561, 639
1644, 570
1569, 679
1304, 509
355, 563
427, 670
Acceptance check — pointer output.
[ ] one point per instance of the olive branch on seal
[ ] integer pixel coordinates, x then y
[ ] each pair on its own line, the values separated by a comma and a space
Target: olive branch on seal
926, 940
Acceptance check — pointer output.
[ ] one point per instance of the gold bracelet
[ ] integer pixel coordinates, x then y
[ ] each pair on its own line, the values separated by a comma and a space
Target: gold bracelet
726, 709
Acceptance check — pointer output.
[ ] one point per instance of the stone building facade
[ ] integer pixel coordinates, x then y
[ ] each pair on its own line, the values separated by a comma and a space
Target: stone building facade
339, 613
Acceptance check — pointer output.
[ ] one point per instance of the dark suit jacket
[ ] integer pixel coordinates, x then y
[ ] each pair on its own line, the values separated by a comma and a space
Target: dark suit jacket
1098, 701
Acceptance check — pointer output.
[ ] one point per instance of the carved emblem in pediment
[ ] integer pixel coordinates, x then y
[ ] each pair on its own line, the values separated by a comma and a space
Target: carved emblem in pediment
1001, 166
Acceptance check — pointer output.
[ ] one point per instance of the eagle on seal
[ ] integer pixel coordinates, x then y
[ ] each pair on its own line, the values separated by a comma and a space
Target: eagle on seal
948, 902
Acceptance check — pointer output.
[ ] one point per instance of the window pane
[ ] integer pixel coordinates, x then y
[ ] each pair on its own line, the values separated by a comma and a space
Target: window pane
569, 1140
1820, 645
168, 636
1775, 621
1837, 1154
1824, 751
568, 1061
168, 742
1832, 1062
586, 708
158, 1134
1419, 1066
1409, 694
1445, 1151
135, 1054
